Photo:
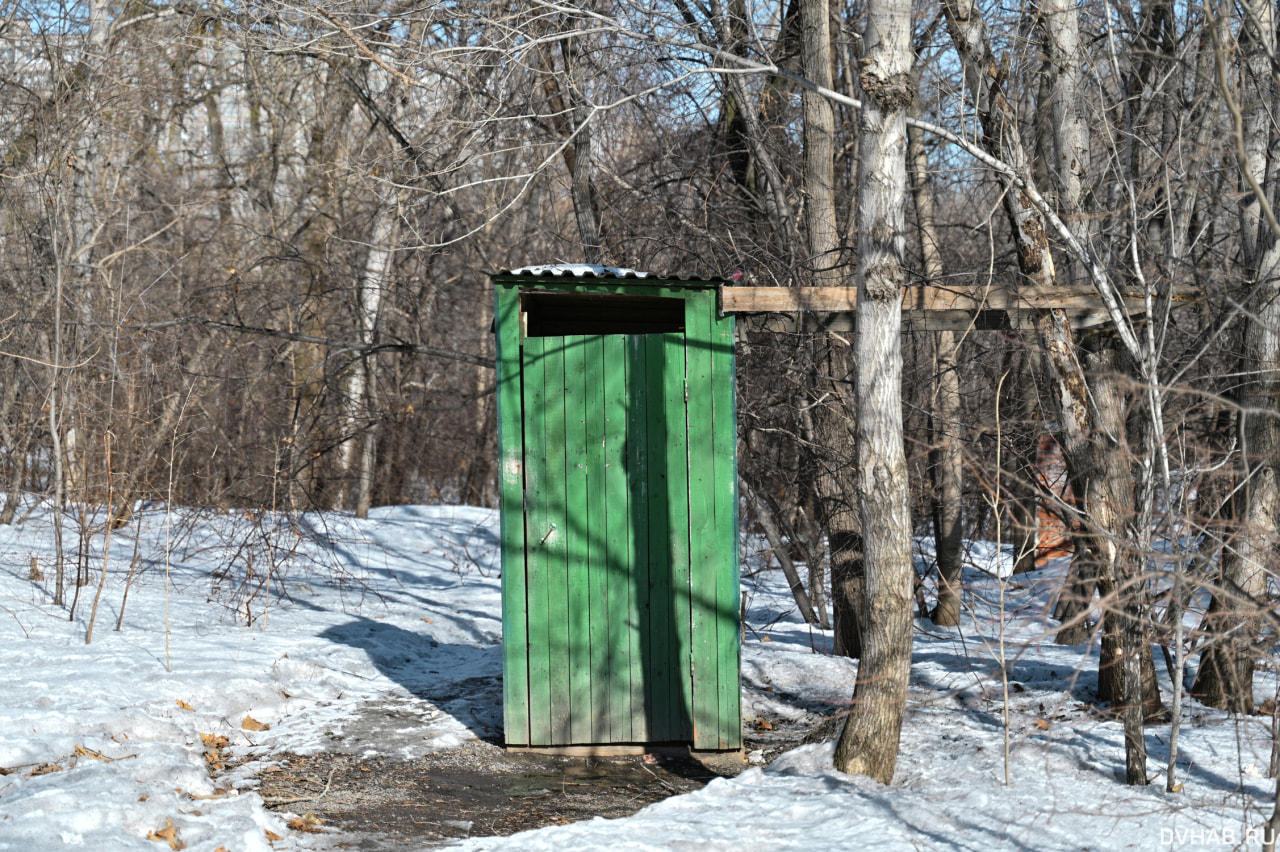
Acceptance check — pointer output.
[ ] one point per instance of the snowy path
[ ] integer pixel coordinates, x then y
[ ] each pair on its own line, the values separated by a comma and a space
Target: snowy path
102, 744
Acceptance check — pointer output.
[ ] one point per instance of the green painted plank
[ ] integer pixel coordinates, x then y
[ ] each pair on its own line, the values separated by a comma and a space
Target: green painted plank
600, 672
515, 637
640, 615
555, 537
675, 394
578, 534
617, 523
661, 640
536, 520
703, 562
725, 440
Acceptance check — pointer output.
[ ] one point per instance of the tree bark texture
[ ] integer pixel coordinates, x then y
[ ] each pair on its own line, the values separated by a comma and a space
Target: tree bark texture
833, 419
869, 744
946, 460
832, 458
1235, 620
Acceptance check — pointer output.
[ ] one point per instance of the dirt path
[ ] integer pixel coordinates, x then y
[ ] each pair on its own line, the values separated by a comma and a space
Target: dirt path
385, 803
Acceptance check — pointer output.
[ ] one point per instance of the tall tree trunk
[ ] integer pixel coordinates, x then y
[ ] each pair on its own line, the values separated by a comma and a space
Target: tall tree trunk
869, 744
1236, 617
1091, 440
359, 429
946, 460
829, 425
581, 189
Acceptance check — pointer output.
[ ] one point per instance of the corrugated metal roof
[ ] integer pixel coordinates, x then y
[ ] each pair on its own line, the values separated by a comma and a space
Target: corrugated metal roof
591, 270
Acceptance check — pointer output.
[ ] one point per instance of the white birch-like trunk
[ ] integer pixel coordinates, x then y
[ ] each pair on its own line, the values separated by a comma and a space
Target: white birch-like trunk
869, 744
357, 451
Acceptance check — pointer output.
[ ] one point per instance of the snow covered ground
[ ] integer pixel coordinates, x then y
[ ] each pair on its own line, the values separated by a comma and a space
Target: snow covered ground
104, 743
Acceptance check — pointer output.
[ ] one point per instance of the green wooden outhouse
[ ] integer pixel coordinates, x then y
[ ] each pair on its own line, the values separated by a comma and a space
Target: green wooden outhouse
617, 439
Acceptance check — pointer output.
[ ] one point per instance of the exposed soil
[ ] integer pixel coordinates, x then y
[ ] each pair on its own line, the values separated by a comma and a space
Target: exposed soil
392, 804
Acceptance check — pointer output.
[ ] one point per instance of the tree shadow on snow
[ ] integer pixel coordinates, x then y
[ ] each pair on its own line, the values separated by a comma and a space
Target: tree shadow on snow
464, 681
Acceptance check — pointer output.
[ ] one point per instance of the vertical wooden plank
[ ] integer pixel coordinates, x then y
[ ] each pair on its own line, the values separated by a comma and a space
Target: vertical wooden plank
703, 561
578, 535
536, 521
515, 637
617, 522
600, 670
639, 620
556, 539
675, 398
725, 441
660, 629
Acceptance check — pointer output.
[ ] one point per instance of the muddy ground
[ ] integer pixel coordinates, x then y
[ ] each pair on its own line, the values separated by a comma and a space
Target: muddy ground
396, 800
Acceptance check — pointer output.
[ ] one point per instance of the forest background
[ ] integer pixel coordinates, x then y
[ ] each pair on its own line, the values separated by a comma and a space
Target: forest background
243, 252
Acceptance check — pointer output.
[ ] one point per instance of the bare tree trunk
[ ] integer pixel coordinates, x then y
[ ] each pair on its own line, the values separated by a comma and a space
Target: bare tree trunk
360, 426
945, 458
828, 427
831, 420
869, 744
1076, 598
1069, 162
55, 424
17, 479
819, 149
15, 447
1252, 554
1090, 436
584, 203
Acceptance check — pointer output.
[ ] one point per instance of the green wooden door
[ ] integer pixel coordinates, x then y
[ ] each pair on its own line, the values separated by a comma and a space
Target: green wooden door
619, 530
607, 553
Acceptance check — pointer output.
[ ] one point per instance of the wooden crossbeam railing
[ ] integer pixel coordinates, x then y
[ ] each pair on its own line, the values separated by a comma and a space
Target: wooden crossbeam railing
933, 308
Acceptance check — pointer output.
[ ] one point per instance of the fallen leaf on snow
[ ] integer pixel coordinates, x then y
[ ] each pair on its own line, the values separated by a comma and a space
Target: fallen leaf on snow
169, 835
213, 746
185, 706
271, 835
45, 770
252, 724
1042, 724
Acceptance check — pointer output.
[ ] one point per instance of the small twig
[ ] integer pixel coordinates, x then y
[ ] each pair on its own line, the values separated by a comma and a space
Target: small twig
315, 798
673, 788
21, 626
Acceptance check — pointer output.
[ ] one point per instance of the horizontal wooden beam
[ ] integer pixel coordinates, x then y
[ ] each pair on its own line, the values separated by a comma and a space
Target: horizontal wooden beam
931, 308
